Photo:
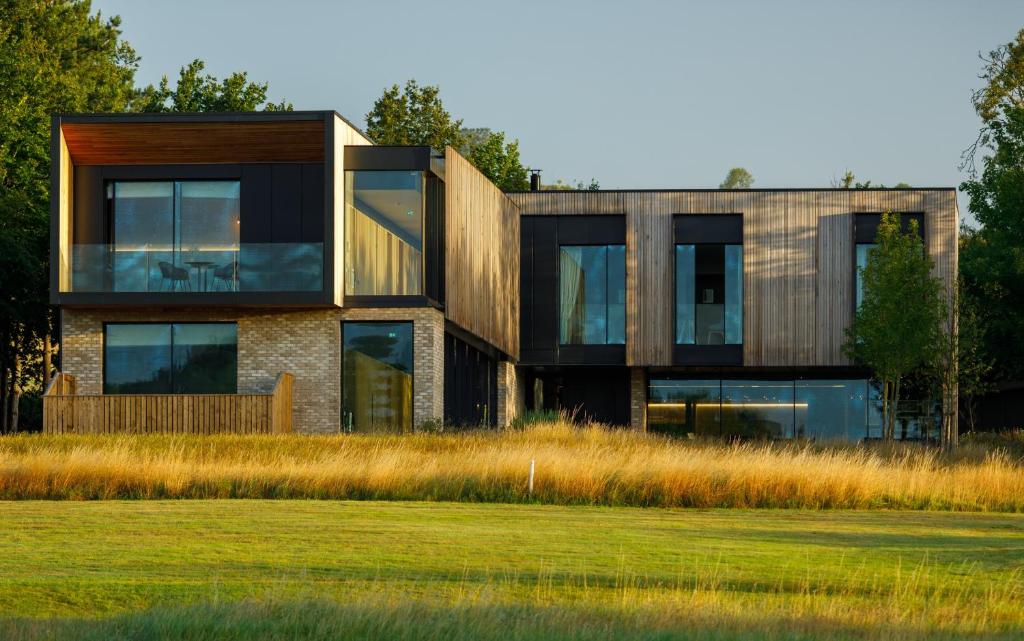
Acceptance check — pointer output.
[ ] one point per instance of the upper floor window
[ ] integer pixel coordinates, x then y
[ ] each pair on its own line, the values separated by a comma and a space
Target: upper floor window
709, 294
863, 250
592, 294
384, 225
170, 358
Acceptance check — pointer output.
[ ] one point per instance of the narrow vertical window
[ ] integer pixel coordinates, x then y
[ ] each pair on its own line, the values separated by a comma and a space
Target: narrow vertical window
709, 294
685, 297
863, 251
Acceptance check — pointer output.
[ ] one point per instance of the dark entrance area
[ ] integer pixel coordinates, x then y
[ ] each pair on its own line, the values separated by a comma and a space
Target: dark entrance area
470, 384
598, 394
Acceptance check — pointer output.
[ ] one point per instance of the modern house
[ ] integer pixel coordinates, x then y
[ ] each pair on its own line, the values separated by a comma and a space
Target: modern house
277, 271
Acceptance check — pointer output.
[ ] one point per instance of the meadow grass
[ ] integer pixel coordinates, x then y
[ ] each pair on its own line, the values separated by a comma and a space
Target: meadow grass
588, 465
390, 570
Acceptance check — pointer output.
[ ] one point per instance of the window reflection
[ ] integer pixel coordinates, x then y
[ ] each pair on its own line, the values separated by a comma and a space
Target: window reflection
709, 294
831, 409
384, 233
377, 377
684, 407
592, 305
757, 408
170, 358
863, 251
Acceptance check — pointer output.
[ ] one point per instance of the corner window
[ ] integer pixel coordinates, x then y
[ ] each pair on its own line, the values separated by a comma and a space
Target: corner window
170, 358
592, 294
377, 376
384, 233
709, 294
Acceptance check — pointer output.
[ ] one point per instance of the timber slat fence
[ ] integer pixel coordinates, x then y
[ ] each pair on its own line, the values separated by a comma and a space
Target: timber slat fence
65, 412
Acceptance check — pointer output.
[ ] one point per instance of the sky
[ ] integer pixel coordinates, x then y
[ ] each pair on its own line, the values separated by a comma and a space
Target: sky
637, 94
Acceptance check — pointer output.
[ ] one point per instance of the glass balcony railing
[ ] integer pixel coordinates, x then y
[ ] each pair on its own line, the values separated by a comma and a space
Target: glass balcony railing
250, 267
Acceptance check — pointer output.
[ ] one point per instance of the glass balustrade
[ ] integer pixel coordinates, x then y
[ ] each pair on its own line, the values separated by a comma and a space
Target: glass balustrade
248, 267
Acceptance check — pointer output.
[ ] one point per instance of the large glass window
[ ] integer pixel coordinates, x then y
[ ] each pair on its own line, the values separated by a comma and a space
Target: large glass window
384, 233
709, 294
863, 251
592, 301
174, 236
377, 377
757, 408
684, 407
170, 358
831, 409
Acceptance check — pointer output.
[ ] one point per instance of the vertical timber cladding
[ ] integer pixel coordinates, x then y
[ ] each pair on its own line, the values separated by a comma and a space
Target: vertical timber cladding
340, 133
798, 262
481, 256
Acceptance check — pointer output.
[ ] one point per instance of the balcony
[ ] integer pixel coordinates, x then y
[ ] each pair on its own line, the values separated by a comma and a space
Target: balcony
170, 270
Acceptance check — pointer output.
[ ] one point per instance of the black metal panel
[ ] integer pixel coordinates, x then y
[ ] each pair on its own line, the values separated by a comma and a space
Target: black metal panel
526, 299
434, 242
707, 355
385, 158
470, 384
592, 354
90, 199
255, 204
544, 326
286, 199
312, 203
224, 171
591, 230
692, 229
390, 301
866, 225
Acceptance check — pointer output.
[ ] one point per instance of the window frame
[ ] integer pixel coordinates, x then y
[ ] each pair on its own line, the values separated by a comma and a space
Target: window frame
675, 295
341, 370
171, 324
558, 299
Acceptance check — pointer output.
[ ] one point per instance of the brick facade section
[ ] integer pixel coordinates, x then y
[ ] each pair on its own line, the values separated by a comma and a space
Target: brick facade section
306, 343
509, 394
638, 399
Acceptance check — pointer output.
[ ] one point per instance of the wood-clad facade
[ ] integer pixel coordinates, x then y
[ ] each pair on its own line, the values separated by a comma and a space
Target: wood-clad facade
481, 256
798, 271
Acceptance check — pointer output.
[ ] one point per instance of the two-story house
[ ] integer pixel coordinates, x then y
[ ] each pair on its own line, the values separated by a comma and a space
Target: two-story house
200, 257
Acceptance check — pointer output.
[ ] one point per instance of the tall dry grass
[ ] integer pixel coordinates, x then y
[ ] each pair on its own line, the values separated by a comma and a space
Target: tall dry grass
589, 465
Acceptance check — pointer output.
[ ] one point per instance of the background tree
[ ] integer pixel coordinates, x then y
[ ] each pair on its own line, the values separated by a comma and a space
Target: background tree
416, 115
898, 327
579, 185
196, 91
737, 178
849, 181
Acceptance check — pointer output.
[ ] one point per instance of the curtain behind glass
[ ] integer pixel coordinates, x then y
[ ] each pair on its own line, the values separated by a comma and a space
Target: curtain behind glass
571, 315
143, 234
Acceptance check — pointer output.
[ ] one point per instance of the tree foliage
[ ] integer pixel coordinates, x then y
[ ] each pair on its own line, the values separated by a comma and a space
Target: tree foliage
199, 92
898, 327
499, 161
737, 178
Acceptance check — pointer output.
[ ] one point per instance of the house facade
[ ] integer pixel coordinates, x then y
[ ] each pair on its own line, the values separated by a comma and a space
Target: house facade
203, 256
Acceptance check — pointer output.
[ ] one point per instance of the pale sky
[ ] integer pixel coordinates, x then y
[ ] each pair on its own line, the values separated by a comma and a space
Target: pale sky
639, 94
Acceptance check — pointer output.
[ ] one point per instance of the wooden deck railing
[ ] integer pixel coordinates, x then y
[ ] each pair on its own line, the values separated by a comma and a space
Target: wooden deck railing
65, 412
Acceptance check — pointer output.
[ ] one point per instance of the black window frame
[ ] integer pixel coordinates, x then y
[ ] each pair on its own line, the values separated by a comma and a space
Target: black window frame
170, 324
558, 281
341, 370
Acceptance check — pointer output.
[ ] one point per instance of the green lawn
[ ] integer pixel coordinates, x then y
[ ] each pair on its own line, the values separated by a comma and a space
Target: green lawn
309, 569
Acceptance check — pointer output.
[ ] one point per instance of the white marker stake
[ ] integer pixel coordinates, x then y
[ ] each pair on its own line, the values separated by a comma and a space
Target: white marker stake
531, 477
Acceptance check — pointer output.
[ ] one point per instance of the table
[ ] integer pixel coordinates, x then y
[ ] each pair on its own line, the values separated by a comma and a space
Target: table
201, 267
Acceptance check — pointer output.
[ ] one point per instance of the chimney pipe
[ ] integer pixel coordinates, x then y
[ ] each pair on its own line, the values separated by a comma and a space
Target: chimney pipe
535, 180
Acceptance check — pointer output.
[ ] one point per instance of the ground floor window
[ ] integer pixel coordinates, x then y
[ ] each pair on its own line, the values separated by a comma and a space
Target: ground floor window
470, 384
377, 376
170, 358
826, 409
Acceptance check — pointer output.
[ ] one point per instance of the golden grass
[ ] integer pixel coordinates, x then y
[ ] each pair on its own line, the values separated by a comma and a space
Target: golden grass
588, 465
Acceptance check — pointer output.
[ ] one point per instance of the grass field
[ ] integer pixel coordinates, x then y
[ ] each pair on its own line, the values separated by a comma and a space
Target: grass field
207, 569
575, 466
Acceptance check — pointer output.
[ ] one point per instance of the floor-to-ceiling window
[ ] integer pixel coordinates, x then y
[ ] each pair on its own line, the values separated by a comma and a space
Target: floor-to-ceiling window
377, 376
174, 235
384, 224
170, 358
592, 294
709, 294
690, 408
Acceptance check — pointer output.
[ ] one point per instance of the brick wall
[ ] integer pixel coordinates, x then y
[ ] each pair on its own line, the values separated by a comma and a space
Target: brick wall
638, 398
306, 343
509, 394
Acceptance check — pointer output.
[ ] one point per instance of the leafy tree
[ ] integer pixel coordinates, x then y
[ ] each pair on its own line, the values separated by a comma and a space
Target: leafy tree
413, 116
195, 91
849, 181
55, 56
898, 326
499, 161
737, 178
560, 185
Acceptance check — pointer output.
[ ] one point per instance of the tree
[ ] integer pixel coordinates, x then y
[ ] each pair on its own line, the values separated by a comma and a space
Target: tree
849, 181
898, 327
55, 56
196, 92
499, 161
560, 185
413, 116
737, 178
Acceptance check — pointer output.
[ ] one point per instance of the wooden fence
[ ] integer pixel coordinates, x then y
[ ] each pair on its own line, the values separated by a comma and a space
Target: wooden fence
65, 412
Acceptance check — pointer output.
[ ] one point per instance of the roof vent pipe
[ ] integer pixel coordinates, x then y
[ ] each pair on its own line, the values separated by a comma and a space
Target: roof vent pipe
535, 180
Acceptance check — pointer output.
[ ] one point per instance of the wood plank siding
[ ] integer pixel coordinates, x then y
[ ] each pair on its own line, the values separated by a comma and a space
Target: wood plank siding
481, 256
798, 286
